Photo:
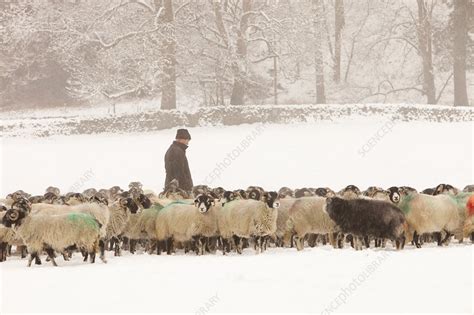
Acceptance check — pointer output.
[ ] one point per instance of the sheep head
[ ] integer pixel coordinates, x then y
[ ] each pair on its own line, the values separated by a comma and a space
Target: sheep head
22, 204
14, 217
394, 194
271, 199
228, 197
445, 189
129, 204
204, 202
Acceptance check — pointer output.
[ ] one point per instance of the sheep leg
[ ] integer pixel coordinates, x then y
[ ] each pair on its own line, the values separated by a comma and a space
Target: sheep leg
102, 250
367, 241
472, 237
117, 251
169, 246
324, 239
23, 251
37, 259
416, 240
237, 243
111, 244
446, 238
312, 240
3, 253
50, 253
133, 244
299, 242
30, 260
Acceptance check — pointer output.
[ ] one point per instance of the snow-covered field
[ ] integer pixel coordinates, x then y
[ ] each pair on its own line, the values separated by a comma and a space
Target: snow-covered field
363, 152
427, 280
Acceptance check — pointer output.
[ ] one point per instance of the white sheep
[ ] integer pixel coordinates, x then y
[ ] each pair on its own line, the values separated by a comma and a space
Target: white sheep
249, 219
8, 237
307, 215
120, 212
428, 214
55, 232
184, 222
282, 220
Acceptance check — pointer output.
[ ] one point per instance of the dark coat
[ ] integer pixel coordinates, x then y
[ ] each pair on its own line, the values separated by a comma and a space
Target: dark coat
176, 165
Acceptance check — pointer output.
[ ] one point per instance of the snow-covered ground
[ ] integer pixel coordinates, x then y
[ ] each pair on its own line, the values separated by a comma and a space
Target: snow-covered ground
363, 152
317, 280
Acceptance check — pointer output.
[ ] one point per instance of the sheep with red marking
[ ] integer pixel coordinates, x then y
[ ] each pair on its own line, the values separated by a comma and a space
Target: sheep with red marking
361, 217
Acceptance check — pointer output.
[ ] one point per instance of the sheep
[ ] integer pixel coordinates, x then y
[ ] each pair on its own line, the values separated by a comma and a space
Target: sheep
349, 192
249, 218
428, 191
464, 202
427, 214
184, 222
131, 231
144, 226
54, 232
324, 192
376, 193
306, 216
282, 221
88, 193
100, 212
8, 237
120, 212
200, 189
75, 198
468, 188
361, 217
285, 192
173, 191
303, 192
445, 189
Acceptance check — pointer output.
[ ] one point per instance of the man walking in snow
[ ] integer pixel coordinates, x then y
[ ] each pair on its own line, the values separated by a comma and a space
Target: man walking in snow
176, 163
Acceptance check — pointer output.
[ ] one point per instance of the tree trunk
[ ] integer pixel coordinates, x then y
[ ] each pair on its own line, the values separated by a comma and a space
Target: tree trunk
339, 25
424, 42
460, 23
318, 51
239, 65
168, 88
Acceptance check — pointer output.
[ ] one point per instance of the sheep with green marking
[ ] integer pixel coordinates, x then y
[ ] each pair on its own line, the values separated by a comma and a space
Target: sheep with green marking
192, 224
427, 214
54, 232
464, 201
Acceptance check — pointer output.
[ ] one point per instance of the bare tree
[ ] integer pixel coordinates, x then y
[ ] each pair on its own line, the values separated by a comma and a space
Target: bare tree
168, 89
339, 25
318, 51
461, 20
425, 50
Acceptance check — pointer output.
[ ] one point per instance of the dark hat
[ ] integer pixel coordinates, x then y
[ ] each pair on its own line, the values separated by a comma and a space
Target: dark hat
183, 134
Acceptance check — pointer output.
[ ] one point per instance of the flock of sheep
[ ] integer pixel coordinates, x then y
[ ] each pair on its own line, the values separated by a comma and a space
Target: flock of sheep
208, 219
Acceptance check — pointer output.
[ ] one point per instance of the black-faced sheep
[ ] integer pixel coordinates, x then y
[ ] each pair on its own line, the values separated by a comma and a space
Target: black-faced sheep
349, 192
184, 222
469, 188
249, 218
427, 214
